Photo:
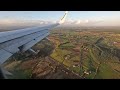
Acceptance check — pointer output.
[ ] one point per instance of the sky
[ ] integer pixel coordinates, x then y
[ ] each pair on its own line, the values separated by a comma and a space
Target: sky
100, 18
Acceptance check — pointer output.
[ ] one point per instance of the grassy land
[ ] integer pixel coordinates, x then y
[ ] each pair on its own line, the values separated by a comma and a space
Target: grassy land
99, 63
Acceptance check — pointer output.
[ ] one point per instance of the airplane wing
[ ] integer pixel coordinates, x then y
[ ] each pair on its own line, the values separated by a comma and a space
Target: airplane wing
23, 39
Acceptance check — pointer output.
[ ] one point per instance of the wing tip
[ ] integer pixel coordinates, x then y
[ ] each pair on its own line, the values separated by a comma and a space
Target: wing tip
63, 18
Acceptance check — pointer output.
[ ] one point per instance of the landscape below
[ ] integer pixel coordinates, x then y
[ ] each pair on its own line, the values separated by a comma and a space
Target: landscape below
71, 53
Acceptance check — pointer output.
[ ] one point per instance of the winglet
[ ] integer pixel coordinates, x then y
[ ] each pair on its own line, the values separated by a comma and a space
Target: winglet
63, 18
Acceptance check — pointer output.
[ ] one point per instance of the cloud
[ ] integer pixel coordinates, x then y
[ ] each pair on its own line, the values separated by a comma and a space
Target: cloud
78, 22
86, 21
11, 21
83, 22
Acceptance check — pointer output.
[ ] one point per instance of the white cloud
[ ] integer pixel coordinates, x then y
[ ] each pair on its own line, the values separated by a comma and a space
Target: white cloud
87, 22
78, 22
71, 22
9, 21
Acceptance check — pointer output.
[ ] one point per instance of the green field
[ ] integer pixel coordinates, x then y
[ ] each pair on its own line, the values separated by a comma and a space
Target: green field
95, 56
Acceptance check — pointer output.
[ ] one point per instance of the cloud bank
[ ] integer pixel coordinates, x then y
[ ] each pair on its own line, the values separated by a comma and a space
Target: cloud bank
68, 22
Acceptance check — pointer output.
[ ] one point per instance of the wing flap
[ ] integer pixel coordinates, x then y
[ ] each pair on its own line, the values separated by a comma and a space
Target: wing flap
33, 42
4, 55
7, 49
22, 40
